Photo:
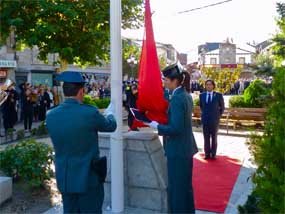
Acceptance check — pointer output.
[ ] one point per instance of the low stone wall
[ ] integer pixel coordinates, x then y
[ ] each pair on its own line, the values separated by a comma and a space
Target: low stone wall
5, 189
145, 173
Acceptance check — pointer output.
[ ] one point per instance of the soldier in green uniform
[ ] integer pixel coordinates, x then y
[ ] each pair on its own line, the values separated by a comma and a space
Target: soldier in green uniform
179, 142
73, 128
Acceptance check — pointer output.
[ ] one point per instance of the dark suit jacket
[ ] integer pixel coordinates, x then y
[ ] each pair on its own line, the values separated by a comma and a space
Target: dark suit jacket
179, 139
73, 128
211, 112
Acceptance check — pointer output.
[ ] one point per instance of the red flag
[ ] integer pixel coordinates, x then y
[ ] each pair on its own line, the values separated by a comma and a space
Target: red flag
150, 91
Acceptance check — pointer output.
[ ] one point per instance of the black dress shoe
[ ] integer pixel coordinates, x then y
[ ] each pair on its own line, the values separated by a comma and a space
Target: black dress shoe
207, 157
213, 156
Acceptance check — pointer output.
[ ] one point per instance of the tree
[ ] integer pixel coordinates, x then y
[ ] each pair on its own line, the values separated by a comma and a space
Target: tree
78, 30
264, 65
268, 150
162, 62
130, 49
279, 39
224, 78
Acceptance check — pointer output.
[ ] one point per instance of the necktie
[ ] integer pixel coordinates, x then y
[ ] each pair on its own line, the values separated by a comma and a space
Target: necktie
209, 98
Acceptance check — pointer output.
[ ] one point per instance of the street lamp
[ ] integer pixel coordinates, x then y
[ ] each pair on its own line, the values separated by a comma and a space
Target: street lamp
132, 62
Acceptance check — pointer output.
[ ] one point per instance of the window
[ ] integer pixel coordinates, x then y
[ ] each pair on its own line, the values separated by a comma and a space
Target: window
213, 61
241, 60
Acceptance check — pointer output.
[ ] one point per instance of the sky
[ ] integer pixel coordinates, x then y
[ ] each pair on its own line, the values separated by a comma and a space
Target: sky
242, 20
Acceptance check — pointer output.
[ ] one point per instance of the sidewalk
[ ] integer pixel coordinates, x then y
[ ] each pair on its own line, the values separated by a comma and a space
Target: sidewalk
19, 126
227, 145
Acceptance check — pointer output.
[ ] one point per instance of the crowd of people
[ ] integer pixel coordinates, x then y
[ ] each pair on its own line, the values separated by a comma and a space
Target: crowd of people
97, 88
29, 104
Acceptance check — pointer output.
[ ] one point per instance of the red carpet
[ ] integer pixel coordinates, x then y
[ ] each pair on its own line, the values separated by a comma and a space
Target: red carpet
213, 182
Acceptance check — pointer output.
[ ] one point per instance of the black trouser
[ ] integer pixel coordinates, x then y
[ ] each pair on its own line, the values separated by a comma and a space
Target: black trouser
180, 190
42, 113
87, 202
8, 123
28, 119
210, 132
130, 119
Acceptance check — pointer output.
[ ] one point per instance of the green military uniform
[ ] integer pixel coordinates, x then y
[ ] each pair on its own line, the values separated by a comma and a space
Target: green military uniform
179, 149
180, 146
73, 128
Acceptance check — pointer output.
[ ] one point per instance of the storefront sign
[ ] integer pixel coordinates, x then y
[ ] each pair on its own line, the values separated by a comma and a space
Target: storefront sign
3, 73
8, 64
228, 65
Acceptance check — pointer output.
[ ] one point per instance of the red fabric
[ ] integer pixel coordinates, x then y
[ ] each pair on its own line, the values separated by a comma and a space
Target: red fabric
150, 91
213, 182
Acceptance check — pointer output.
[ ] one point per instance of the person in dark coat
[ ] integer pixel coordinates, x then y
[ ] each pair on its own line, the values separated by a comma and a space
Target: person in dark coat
10, 116
212, 107
73, 128
132, 104
179, 143
43, 104
28, 110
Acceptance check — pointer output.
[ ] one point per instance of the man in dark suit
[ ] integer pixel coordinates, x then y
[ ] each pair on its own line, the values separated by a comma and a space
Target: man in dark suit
73, 128
212, 107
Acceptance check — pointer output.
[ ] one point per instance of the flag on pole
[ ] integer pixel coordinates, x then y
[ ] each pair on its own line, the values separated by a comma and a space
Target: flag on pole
150, 90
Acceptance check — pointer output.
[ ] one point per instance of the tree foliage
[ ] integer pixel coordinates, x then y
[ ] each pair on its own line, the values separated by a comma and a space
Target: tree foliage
78, 30
130, 49
264, 65
256, 94
268, 150
224, 78
279, 39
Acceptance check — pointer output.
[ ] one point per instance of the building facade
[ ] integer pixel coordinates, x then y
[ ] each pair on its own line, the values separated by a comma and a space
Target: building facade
24, 66
224, 55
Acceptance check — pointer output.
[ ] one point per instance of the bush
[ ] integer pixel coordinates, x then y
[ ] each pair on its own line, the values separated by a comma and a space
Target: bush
10, 133
251, 206
34, 131
28, 160
268, 151
99, 103
256, 94
20, 134
237, 102
42, 130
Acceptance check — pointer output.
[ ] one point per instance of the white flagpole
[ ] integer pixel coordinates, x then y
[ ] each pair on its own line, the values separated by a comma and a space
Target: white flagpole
117, 167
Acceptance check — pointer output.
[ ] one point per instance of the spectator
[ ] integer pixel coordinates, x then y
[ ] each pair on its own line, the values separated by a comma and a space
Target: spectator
9, 109
28, 110
43, 103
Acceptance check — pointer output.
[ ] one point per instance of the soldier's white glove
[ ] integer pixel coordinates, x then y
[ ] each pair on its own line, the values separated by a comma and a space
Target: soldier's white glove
153, 124
110, 110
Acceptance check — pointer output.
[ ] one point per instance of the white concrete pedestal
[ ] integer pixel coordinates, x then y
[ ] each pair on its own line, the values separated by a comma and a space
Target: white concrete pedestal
5, 189
145, 172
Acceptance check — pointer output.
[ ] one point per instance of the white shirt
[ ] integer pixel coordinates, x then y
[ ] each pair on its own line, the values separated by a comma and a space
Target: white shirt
211, 96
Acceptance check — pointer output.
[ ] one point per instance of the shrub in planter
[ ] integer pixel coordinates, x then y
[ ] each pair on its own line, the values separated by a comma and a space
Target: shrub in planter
102, 103
29, 161
87, 99
237, 102
256, 93
99, 103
